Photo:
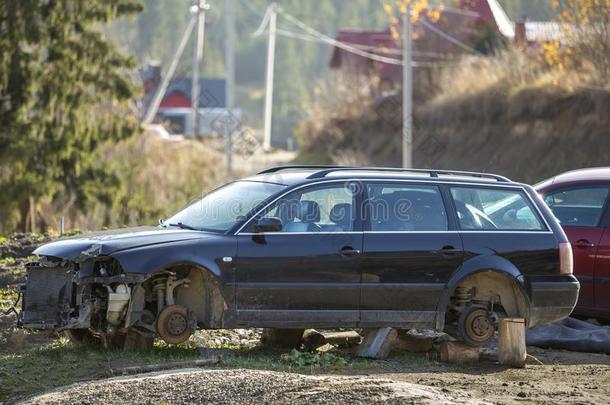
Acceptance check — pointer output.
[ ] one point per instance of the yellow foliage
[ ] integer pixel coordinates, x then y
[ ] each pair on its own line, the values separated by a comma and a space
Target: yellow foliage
586, 30
552, 53
418, 8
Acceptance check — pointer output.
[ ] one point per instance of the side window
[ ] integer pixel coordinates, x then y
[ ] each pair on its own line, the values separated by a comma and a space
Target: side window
316, 209
398, 207
581, 206
495, 209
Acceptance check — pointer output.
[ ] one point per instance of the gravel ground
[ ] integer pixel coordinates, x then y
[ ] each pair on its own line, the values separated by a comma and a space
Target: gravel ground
248, 387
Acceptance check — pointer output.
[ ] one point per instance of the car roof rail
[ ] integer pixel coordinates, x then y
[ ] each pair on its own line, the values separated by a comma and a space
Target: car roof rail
431, 172
276, 169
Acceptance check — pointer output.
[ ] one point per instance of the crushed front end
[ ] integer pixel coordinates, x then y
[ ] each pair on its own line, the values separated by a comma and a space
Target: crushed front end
90, 293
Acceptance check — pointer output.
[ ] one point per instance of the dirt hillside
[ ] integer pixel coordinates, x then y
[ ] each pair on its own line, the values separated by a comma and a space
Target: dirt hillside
507, 114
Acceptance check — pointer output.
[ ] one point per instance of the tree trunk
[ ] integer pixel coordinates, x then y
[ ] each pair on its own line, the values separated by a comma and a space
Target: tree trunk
32, 215
24, 211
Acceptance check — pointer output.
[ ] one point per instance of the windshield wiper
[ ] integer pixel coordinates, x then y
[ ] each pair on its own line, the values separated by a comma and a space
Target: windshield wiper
182, 225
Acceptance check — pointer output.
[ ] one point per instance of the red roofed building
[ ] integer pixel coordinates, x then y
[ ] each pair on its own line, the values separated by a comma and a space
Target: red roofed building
471, 26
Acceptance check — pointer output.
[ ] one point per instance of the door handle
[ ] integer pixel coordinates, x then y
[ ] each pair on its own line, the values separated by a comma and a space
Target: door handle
448, 250
583, 243
348, 251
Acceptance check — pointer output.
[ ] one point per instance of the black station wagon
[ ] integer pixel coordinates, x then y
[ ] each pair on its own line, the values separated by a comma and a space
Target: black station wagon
298, 247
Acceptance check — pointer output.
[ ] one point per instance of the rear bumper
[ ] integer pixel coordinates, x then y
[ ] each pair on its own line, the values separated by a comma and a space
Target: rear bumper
552, 299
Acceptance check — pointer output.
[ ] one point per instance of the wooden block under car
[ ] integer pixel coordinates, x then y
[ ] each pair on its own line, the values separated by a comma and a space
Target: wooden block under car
511, 342
459, 352
413, 343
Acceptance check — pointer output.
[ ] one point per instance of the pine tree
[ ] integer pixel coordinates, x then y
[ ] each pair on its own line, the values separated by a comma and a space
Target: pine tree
64, 93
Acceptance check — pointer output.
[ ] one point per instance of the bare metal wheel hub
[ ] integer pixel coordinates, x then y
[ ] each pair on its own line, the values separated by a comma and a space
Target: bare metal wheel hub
173, 324
476, 326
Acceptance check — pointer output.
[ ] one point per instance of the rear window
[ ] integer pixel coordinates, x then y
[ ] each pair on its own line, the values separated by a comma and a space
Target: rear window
495, 209
582, 206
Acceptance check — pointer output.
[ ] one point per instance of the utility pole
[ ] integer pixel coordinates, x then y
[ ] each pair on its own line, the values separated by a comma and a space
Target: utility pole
407, 91
230, 88
199, 8
270, 69
154, 105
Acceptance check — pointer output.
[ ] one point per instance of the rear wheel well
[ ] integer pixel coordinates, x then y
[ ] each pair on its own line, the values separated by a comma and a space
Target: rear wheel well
477, 303
492, 288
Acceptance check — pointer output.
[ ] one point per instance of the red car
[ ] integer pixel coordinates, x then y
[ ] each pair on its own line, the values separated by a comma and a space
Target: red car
579, 200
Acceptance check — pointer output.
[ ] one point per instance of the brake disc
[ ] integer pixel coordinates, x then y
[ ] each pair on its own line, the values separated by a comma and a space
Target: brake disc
173, 324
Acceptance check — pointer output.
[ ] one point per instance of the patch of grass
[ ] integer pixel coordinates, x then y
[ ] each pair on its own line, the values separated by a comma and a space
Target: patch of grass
7, 298
316, 359
331, 362
3, 239
8, 261
18, 272
61, 363
72, 232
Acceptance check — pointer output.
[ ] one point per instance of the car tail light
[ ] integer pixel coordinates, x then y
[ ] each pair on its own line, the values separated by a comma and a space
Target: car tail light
566, 263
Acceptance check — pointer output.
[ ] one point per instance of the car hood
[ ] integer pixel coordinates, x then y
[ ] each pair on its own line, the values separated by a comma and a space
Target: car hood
107, 242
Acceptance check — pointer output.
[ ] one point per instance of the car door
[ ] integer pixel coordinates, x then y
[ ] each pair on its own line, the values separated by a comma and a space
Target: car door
409, 254
602, 267
602, 273
307, 274
579, 211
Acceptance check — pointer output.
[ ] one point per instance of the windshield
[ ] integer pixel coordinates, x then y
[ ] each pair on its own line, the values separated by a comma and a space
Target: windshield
223, 208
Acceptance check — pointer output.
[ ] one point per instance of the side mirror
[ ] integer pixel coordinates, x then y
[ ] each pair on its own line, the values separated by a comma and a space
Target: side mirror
269, 224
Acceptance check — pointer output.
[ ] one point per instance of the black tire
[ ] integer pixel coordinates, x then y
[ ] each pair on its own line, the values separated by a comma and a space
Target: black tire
475, 326
282, 338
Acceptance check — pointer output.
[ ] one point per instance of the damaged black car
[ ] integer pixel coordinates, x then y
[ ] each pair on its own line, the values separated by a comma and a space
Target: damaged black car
314, 247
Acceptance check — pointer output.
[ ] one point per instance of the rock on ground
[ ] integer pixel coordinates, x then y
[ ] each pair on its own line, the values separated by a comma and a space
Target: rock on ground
247, 387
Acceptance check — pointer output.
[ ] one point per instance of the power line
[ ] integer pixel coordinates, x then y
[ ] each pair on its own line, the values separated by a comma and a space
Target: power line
362, 50
385, 50
156, 101
304, 37
359, 49
252, 8
339, 44
450, 38
263, 24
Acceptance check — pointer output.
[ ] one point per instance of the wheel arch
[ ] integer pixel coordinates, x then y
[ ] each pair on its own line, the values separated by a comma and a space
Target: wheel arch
491, 267
204, 295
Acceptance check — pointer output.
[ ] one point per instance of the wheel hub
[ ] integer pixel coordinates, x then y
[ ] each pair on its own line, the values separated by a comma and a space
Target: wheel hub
477, 326
176, 324
173, 325
480, 326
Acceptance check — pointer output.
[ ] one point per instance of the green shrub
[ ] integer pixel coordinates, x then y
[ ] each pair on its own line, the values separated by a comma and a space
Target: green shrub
316, 359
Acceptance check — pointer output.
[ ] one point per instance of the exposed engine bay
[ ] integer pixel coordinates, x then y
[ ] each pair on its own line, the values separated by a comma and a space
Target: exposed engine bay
92, 298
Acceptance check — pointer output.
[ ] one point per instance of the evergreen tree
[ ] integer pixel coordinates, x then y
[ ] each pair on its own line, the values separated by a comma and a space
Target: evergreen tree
64, 92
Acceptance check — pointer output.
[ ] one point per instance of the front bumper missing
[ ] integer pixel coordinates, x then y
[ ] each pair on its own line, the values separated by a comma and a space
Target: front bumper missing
58, 297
